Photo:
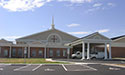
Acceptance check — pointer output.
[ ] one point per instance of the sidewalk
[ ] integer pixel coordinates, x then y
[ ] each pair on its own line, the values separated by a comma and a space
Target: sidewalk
96, 61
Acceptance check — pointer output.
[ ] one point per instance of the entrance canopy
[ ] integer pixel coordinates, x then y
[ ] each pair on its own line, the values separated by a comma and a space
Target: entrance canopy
95, 38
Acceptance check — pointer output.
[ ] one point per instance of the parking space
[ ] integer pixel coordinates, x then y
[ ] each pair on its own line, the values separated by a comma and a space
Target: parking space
51, 68
67, 69
28, 68
48, 67
2, 66
81, 67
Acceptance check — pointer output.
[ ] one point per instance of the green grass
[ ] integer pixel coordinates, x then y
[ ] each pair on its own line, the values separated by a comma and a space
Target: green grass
28, 61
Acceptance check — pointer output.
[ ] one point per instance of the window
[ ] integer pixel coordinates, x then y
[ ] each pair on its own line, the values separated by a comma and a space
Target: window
14, 52
54, 39
64, 53
58, 52
5, 52
51, 53
33, 53
40, 52
20, 52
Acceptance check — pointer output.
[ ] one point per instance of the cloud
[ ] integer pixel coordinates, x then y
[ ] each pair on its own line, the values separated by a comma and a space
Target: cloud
25, 5
78, 33
22, 5
111, 4
97, 5
103, 30
12, 38
73, 25
76, 1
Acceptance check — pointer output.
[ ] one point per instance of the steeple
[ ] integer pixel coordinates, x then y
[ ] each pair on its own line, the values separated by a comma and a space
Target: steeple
53, 25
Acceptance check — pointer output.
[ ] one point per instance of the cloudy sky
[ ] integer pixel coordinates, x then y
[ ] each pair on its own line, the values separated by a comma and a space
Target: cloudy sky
77, 17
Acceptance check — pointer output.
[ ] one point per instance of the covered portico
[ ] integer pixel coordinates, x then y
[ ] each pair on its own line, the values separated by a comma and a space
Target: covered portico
95, 40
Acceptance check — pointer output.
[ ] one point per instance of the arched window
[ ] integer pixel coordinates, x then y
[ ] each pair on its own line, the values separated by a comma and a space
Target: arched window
54, 39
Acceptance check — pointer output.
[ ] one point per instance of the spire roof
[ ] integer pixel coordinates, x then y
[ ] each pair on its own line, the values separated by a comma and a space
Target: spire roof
53, 25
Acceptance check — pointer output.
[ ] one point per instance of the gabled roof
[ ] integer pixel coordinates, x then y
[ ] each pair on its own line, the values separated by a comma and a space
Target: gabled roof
4, 41
118, 37
93, 34
90, 35
44, 35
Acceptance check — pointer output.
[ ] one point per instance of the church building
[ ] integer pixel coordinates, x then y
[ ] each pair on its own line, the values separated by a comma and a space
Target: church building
54, 43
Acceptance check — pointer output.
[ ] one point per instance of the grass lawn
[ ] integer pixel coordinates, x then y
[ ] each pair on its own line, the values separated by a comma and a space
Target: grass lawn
28, 61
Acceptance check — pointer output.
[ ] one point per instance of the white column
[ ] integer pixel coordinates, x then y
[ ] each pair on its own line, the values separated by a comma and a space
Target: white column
83, 51
28, 51
25, 52
110, 54
105, 50
10, 52
45, 52
88, 49
68, 53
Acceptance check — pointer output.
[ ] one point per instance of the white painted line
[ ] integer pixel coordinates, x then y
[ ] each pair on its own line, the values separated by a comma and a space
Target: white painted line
37, 67
90, 67
114, 65
64, 67
21, 67
49, 69
111, 68
1, 69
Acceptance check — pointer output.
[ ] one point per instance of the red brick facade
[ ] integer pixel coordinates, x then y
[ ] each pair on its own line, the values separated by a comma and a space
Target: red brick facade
118, 51
35, 52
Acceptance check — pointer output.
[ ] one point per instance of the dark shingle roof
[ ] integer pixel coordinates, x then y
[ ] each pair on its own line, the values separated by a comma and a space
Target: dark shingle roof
114, 38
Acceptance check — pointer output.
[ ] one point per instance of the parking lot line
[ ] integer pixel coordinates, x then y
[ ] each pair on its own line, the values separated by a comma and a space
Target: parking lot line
64, 67
1, 69
21, 67
37, 67
90, 67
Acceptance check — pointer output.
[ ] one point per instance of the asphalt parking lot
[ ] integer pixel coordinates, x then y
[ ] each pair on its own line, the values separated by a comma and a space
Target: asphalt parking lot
60, 69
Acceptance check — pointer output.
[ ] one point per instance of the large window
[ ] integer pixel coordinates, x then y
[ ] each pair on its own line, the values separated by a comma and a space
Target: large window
54, 39
40, 52
64, 53
33, 53
5, 52
50, 53
20, 52
14, 52
58, 52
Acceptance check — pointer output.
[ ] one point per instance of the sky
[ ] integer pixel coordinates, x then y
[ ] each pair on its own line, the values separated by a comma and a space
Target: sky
20, 18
